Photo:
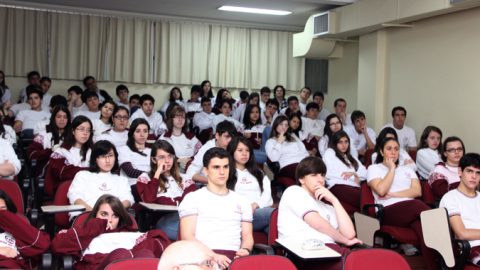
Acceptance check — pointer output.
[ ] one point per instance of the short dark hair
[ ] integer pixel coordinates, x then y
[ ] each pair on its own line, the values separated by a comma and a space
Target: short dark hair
77, 89
243, 95
226, 127
101, 148
312, 105
357, 115
45, 79
277, 87
449, 140
318, 94
89, 77
273, 101
205, 99
470, 160
310, 165
292, 98
338, 100
121, 87
134, 96
308, 88
398, 108
215, 152
58, 100
33, 73
146, 97
88, 94
35, 90
196, 88
265, 89
8, 202
124, 219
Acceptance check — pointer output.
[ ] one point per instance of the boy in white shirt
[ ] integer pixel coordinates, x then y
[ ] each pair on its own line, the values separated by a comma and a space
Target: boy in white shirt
204, 119
311, 124
305, 94
319, 98
27, 119
264, 97
340, 106
92, 111
361, 136
215, 215
33, 78
122, 94
406, 134
45, 84
74, 99
463, 205
154, 118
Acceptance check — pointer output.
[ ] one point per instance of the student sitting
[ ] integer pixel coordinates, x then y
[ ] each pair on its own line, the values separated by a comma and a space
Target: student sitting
204, 119
118, 134
216, 216
323, 112
26, 119
333, 124
74, 98
429, 151
105, 121
122, 94
175, 97
146, 111
72, 156
308, 210
108, 234
21, 244
404, 158
100, 179
193, 104
92, 102
164, 184
362, 137
254, 130
225, 132
463, 204
251, 183
395, 187
185, 143
285, 148
344, 172
444, 176
225, 114
50, 140
7, 133
134, 158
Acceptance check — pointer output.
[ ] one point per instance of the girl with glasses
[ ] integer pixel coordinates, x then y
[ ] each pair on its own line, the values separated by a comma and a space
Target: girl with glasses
118, 134
333, 124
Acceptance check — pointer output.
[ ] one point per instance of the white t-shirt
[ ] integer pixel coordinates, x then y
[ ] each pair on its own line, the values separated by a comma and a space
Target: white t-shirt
108, 242
324, 113
335, 169
467, 208
401, 181
313, 127
286, 153
202, 120
294, 205
247, 186
219, 217
402, 158
426, 160
184, 147
155, 120
89, 186
30, 118
8, 154
7, 240
406, 136
221, 117
139, 162
99, 127
197, 163
118, 139
358, 140
90, 115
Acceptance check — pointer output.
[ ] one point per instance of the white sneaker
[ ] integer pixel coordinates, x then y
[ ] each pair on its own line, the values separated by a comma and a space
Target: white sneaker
409, 250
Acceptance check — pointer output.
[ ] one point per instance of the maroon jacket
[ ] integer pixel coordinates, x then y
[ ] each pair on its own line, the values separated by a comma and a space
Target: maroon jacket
30, 242
148, 193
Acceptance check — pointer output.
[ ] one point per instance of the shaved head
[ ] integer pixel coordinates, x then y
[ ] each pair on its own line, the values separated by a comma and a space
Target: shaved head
184, 252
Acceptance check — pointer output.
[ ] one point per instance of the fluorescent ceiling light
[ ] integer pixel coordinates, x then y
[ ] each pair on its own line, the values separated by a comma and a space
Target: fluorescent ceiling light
255, 10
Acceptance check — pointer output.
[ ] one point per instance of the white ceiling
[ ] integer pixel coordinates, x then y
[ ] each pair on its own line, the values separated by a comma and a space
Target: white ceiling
199, 9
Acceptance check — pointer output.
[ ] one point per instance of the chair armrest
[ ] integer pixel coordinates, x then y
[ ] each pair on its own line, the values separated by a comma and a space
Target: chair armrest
462, 252
262, 248
379, 213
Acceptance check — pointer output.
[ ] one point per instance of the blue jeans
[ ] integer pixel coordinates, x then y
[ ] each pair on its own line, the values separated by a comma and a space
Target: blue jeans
260, 156
169, 224
261, 219
265, 137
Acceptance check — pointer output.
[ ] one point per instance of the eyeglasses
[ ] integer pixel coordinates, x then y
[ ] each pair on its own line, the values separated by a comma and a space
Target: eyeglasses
86, 130
107, 156
455, 150
118, 117
335, 123
159, 158
209, 263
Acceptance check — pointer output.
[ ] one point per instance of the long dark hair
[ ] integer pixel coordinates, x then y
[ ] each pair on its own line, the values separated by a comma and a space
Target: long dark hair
173, 112
108, 101
326, 130
426, 132
276, 123
124, 219
174, 171
101, 148
251, 164
296, 131
246, 117
69, 141
131, 132
8, 202
346, 158
2, 129
3, 86
53, 128
381, 145
172, 99
381, 137
210, 92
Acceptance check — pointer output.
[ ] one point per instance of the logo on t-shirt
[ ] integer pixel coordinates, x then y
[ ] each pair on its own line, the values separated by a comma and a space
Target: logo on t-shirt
104, 187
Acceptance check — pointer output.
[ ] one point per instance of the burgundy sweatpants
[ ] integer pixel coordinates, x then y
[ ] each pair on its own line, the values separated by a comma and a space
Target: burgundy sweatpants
287, 174
348, 196
407, 214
